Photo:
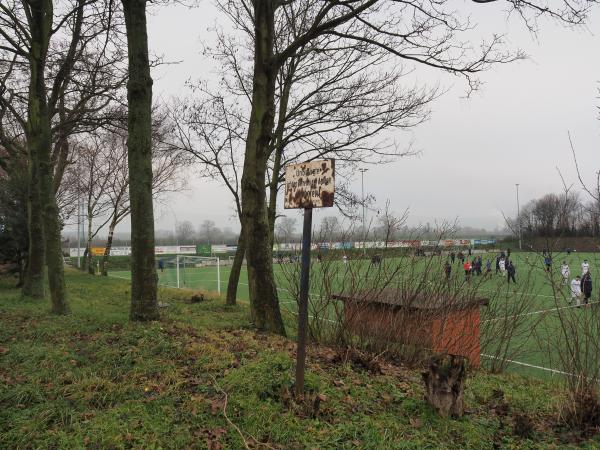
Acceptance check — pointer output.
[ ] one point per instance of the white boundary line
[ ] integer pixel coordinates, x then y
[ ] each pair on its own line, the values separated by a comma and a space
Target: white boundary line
541, 311
533, 366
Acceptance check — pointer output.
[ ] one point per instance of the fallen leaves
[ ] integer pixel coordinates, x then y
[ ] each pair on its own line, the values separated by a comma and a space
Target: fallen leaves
415, 422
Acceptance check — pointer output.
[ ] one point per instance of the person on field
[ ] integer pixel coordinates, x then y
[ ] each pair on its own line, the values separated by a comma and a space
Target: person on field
497, 264
510, 269
508, 253
161, 265
488, 267
475, 266
452, 257
345, 259
586, 287
461, 257
447, 270
576, 290
319, 258
585, 267
502, 265
467, 267
565, 272
548, 263
470, 253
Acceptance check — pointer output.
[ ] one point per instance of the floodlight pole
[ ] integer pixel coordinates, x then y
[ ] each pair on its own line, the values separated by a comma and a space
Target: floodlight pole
362, 176
519, 216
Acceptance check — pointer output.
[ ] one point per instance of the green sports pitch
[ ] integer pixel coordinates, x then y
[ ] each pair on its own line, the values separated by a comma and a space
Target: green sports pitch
539, 300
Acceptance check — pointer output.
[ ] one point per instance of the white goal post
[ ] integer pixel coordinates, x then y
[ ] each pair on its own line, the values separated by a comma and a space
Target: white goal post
186, 267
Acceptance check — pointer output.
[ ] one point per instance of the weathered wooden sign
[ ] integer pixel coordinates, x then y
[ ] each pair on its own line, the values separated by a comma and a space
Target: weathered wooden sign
310, 185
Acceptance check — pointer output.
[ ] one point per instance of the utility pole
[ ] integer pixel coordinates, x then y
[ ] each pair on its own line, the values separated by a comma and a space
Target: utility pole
362, 175
519, 217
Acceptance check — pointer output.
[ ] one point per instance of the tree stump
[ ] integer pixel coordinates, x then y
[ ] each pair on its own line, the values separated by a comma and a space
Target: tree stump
197, 298
444, 384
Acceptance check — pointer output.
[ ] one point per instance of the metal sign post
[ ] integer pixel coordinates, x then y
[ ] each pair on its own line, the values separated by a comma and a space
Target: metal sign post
307, 186
303, 301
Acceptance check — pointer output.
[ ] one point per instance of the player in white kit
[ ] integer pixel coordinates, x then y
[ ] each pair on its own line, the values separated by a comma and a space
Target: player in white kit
576, 290
585, 267
565, 271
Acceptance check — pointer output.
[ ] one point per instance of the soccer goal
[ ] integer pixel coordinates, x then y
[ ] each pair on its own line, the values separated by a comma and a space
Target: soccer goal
195, 272
199, 272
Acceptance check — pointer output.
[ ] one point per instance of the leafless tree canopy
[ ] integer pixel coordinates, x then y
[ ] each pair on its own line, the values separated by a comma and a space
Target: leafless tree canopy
85, 72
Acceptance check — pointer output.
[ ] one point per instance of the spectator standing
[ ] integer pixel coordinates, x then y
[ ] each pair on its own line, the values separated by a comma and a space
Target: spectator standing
447, 270
510, 269
547, 263
586, 287
467, 267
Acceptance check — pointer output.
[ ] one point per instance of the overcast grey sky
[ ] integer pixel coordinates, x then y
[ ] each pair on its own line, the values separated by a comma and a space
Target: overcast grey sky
473, 151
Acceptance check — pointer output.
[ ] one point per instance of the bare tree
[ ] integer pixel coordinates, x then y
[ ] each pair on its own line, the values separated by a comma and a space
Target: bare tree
166, 176
286, 229
329, 229
207, 231
212, 132
390, 223
144, 303
331, 104
185, 232
94, 177
432, 37
58, 69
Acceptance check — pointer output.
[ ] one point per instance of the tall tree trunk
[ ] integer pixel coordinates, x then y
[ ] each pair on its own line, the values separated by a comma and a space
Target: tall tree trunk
40, 142
52, 231
38, 136
236, 268
33, 283
144, 305
107, 249
264, 303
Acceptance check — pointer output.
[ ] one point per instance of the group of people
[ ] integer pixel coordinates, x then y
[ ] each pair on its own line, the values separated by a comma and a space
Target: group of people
475, 266
581, 285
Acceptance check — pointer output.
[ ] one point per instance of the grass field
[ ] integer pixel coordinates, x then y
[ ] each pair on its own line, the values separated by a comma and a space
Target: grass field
545, 300
202, 378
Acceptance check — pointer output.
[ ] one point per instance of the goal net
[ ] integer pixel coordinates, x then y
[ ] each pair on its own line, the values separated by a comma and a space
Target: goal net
194, 272
230, 260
